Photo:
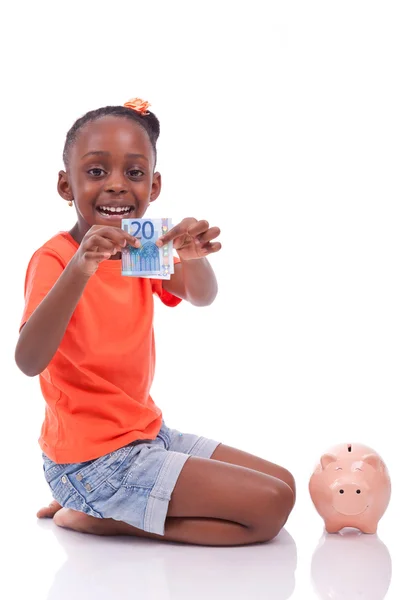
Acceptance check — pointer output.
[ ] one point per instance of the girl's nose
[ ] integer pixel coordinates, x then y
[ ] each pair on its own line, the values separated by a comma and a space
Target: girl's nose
116, 189
116, 186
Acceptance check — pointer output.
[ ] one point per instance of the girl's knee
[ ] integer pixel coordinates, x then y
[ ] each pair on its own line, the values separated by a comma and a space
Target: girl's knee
285, 476
272, 511
285, 498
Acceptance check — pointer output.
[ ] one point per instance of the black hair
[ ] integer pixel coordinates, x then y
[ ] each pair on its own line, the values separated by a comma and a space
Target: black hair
149, 122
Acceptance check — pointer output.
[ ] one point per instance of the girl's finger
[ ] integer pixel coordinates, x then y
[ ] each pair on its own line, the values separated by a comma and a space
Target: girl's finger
171, 235
198, 228
176, 231
210, 247
116, 236
97, 256
97, 243
129, 239
209, 235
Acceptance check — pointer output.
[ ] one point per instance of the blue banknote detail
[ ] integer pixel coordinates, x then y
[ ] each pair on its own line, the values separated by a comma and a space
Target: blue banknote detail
149, 260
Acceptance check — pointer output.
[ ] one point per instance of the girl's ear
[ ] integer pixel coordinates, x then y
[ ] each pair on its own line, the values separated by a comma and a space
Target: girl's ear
63, 187
155, 187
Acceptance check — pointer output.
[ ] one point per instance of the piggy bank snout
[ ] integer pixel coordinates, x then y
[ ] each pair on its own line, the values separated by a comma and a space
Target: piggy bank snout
350, 498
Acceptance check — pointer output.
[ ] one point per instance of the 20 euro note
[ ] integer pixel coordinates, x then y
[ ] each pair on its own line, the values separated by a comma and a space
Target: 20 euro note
149, 260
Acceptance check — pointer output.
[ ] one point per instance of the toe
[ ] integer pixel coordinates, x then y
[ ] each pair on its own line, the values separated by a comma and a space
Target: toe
49, 511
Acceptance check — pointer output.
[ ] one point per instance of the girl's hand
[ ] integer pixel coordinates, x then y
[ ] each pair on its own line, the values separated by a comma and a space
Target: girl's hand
99, 244
192, 239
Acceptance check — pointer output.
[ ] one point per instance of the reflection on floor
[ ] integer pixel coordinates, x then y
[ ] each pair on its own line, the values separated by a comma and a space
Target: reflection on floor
345, 566
351, 565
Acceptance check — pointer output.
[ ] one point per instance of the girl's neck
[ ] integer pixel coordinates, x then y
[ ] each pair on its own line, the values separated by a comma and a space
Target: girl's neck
76, 234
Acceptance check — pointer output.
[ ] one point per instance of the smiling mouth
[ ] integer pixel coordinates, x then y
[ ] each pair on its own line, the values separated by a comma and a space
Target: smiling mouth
115, 211
353, 514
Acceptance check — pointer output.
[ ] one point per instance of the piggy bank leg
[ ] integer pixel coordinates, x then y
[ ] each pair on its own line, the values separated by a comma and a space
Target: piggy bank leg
366, 524
332, 526
369, 528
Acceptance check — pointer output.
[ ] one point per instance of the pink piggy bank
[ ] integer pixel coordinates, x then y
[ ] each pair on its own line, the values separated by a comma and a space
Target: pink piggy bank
350, 487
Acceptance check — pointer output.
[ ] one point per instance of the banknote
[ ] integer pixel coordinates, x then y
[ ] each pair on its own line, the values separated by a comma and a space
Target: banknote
149, 260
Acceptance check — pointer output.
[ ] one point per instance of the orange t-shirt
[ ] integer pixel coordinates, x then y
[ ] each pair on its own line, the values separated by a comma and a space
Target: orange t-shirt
97, 385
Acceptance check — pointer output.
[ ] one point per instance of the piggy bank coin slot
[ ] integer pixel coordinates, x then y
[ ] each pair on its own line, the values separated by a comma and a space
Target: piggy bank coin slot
349, 448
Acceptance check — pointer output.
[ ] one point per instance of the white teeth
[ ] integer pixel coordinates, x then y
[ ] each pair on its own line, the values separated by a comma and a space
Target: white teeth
113, 209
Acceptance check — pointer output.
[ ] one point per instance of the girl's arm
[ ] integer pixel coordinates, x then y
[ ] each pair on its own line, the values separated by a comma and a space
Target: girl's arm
194, 281
42, 333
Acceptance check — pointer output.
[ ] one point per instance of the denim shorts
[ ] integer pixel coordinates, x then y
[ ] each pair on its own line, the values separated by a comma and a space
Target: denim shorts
132, 484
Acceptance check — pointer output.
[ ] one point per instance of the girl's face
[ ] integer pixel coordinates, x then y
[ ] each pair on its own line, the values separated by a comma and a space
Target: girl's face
110, 175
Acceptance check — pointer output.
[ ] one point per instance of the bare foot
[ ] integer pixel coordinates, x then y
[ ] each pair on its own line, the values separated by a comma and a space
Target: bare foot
72, 519
78, 521
49, 511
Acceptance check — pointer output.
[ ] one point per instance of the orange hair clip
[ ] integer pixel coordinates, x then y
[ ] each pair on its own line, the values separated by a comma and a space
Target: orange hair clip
138, 105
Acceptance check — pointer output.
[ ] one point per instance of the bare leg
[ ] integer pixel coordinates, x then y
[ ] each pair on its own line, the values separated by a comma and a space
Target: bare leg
238, 457
214, 503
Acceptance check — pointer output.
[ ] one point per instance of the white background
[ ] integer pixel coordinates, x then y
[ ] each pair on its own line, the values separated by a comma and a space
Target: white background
280, 124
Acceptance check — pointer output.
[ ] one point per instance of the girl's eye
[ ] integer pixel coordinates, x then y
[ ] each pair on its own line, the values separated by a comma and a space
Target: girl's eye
96, 172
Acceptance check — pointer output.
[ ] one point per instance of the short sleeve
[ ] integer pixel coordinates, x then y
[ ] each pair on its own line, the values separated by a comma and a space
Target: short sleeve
166, 297
44, 268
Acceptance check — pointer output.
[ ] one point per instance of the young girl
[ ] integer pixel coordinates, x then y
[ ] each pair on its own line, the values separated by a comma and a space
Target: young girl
113, 465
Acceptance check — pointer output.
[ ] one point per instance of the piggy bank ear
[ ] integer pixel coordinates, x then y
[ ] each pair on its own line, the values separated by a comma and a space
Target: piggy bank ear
374, 461
327, 459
